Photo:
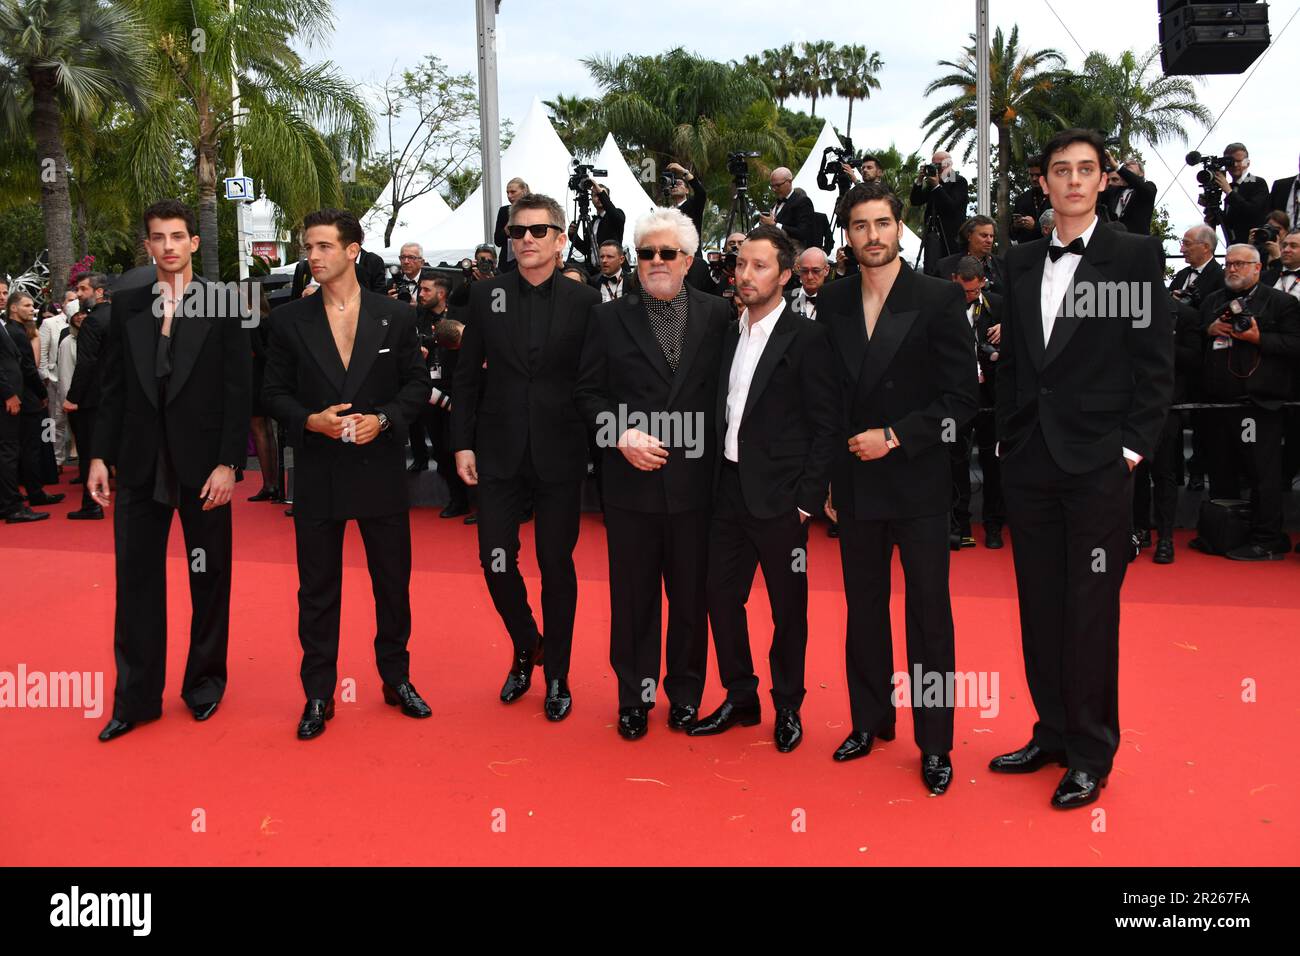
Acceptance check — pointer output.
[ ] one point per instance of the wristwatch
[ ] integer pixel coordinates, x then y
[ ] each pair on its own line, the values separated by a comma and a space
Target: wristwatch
383, 421
890, 440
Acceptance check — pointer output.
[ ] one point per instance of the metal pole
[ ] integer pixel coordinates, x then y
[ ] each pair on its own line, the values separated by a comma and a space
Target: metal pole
489, 122
982, 81
241, 234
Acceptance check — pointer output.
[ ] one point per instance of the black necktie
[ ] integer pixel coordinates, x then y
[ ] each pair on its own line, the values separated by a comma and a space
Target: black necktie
1075, 247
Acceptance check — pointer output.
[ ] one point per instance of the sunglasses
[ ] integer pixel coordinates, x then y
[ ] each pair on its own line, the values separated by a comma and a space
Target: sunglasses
538, 230
667, 255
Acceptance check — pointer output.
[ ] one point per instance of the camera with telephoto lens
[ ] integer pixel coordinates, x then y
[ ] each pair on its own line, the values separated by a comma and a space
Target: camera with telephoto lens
1238, 315
1211, 198
832, 175
1261, 236
928, 170
666, 183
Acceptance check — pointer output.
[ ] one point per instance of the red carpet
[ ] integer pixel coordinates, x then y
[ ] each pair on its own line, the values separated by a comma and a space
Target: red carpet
1201, 778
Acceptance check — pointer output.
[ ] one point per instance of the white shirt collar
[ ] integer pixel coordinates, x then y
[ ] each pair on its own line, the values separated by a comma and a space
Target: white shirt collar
1087, 234
766, 323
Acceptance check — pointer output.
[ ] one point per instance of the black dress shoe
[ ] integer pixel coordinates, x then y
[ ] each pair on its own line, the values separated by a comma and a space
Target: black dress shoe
202, 712
558, 699
45, 500
954, 542
1256, 552
520, 677
454, 511
266, 494
115, 728
789, 730
25, 515
416, 467
858, 744
95, 513
1164, 551
1027, 759
682, 716
471, 519
746, 715
993, 538
314, 716
1077, 789
936, 772
409, 698
633, 723
1144, 538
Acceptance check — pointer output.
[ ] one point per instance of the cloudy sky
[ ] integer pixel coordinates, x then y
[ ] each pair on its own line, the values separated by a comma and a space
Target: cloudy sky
541, 41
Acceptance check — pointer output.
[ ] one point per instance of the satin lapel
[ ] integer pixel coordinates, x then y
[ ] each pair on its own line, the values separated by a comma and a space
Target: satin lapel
191, 332
316, 335
636, 320
896, 318
372, 328
142, 334
1067, 322
696, 318
1028, 294
782, 336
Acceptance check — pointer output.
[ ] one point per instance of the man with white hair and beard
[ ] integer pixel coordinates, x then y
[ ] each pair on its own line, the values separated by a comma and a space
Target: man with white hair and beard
647, 384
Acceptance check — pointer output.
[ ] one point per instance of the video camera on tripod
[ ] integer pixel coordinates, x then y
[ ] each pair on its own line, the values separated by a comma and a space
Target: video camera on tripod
831, 176
1211, 197
738, 167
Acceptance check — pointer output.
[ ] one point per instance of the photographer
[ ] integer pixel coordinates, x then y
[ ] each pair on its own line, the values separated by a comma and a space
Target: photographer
1245, 196
976, 239
688, 195
1029, 207
1286, 197
943, 193
405, 285
482, 266
1267, 239
1284, 274
1130, 199
792, 211
1252, 347
607, 224
514, 189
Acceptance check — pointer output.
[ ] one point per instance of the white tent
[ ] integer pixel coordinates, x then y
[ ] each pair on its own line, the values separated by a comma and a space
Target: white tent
623, 185
416, 221
537, 156
824, 200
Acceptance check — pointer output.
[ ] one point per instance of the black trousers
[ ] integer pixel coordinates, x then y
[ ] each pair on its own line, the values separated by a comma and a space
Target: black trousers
738, 544
31, 461
387, 540
438, 425
648, 555
979, 434
1069, 537
556, 507
11, 498
82, 423
866, 551
141, 527
1156, 480
1249, 440
418, 432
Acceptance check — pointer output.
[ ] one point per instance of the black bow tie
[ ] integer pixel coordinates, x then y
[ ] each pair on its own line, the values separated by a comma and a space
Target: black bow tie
610, 280
1075, 247
1291, 272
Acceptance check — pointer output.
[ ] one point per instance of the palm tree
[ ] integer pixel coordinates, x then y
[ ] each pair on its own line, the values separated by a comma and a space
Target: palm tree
781, 66
857, 77
572, 118
199, 47
1122, 99
1021, 85
61, 61
818, 68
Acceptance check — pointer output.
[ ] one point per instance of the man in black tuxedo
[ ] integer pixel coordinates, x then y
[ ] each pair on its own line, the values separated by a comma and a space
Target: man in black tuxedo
983, 311
13, 384
1285, 196
176, 395
83, 398
945, 198
1029, 207
607, 223
792, 210
975, 240
519, 437
648, 383
1245, 196
778, 413
813, 269
1085, 378
1256, 366
345, 377
1130, 198
612, 280
906, 365
505, 256
688, 196
34, 398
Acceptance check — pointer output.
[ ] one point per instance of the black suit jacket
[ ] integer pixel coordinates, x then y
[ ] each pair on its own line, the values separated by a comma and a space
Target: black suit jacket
1245, 208
1271, 364
799, 219
32, 390
948, 201
625, 374
335, 479
1141, 205
1189, 338
995, 270
1032, 202
502, 240
84, 391
11, 381
1100, 385
209, 393
503, 406
916, 375
611, 226
692, 207
790, 426
1277, 198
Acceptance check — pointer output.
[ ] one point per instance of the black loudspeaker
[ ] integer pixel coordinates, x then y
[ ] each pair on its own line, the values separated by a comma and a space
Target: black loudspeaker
1222, 525
1198, 38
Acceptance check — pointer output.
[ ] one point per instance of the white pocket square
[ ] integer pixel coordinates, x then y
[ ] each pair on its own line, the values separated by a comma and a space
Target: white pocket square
382, 351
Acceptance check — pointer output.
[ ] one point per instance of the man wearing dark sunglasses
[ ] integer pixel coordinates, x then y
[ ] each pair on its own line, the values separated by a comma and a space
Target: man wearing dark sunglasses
518, 437
654, 353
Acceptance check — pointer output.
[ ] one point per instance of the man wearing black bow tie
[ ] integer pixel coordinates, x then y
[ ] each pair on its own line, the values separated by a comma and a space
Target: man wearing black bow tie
1285, 274
1084, 381
612, 280
813, 268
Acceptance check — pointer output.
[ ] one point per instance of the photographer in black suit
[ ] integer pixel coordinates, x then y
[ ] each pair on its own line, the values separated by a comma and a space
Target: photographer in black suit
176, 396
943, 193
607, 224
519, 437
1029, 207
411, 268
1245, 196
345, 378
1252, 350
1084, 382
83, 398
1130, 198
649, 381
505, 256
778, 413
907, 379
792, 211
688, 195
